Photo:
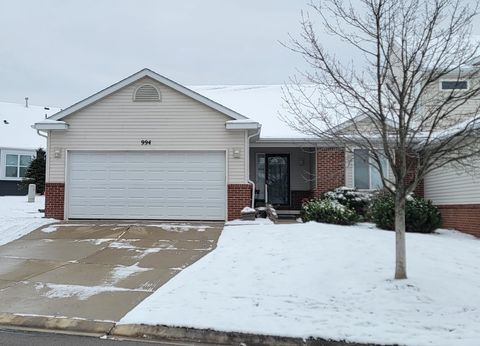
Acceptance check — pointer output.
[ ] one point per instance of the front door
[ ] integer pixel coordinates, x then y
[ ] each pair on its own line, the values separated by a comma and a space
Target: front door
277, 177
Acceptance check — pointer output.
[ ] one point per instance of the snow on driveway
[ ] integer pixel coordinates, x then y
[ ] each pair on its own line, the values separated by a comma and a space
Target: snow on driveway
327, 281
18, 217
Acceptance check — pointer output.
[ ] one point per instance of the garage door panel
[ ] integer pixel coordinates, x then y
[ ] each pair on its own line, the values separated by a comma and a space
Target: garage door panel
147, 185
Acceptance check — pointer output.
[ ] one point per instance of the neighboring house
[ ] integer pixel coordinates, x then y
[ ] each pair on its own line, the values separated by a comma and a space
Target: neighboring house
456, 189
149, 148
18, 143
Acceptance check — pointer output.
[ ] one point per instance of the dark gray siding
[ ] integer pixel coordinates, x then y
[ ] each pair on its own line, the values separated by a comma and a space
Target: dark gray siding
11, 188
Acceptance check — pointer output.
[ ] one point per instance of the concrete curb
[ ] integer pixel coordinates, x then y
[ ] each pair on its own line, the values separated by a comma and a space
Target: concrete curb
182, 334
199, 335
158, 332
56, 323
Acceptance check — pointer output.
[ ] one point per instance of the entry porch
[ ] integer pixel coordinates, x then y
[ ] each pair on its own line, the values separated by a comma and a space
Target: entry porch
283, 176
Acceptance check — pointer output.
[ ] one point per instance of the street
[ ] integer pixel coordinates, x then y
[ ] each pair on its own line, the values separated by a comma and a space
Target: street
10, 337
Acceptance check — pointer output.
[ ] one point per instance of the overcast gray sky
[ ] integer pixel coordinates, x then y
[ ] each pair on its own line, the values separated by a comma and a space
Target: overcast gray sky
58, 52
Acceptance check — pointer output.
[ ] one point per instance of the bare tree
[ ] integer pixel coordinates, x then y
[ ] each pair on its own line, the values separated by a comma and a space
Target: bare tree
388, 99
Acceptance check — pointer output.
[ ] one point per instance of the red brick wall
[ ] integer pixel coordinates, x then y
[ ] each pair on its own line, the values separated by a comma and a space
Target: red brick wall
54, 200
462, 217
420, 189
298, 197
330, 169
239, 197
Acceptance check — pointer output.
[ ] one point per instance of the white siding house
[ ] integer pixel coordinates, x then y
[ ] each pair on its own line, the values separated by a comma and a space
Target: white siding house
146, 148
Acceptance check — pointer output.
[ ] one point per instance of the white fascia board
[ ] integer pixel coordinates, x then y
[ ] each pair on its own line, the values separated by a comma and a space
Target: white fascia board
287, 139
24, 149
284, 142
58, 125
155, 76
242, 125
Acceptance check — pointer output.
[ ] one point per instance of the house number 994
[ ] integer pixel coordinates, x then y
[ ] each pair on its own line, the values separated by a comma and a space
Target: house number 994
146, 142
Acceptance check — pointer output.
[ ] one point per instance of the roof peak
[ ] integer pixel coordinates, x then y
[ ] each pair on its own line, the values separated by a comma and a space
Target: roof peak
146, 72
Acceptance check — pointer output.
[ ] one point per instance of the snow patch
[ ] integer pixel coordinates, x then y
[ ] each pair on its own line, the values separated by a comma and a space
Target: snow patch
18, 217
327, 281
123, 244
120, 273
179, 228
50, 290
247, 210
144, 252
49, 229
54, 227
257, 221
99, 241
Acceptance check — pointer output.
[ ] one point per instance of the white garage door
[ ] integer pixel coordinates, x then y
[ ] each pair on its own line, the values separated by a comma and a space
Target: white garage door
172, 185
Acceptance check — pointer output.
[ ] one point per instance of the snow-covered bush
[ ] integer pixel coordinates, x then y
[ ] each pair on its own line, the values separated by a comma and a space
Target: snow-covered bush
351, 198
328, 211
421, 215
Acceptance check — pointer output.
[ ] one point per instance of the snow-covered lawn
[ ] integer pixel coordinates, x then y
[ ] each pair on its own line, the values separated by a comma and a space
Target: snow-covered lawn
327, 281
18, 217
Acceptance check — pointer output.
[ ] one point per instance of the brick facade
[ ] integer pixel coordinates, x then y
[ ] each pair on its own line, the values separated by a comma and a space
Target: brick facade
420, 189
239, 197
54, 200
298, 197
462, 217
330, 169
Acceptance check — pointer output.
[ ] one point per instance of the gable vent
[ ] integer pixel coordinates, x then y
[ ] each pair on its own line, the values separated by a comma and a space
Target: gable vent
146, 93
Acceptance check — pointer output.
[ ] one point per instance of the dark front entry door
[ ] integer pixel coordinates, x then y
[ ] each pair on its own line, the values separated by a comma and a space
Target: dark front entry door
277, 176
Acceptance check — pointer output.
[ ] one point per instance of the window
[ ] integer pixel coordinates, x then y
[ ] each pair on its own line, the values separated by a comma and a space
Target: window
146, 93
366, 174
454, 85
16, 165
260, 177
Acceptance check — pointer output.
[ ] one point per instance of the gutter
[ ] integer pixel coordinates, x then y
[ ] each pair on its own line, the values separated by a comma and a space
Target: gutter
41, 135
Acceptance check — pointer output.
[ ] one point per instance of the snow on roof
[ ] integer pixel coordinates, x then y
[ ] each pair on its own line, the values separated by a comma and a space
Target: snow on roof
15, 125
262, 103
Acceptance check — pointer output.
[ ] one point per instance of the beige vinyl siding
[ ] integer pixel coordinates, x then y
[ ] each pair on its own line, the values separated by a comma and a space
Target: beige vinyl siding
118, 123
450, 185
434, 95
364, 126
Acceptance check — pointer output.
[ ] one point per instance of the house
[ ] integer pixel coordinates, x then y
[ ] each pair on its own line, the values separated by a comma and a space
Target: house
150, 148
455, 189
18, 143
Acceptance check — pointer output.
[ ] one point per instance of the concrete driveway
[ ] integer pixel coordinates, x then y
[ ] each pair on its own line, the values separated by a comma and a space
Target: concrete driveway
96, 271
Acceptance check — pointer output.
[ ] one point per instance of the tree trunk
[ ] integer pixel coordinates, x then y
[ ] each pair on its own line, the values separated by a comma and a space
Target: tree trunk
400, 248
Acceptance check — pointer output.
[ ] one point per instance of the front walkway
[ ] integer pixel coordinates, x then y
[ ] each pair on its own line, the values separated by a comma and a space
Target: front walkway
96, 271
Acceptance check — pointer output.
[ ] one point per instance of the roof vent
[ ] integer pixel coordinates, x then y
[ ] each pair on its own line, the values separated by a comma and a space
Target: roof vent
146, 93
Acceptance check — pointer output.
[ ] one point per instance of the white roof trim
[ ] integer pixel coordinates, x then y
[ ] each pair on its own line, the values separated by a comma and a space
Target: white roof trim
50, 125
23, 149
242, 125
155, 76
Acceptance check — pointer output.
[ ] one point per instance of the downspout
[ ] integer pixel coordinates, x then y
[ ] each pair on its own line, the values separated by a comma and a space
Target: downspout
247, 156
41, 135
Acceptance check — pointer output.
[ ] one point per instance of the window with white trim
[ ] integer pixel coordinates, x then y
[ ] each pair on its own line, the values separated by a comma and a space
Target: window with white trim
454, 85
16, 165
366, 172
